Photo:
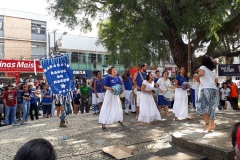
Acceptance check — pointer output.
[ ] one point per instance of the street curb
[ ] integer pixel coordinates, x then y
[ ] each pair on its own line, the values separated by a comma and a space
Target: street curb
211, 152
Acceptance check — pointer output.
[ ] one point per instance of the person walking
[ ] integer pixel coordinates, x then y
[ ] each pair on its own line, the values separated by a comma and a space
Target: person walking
111, 111
95, 107
77, 98
180, 106
10, 102
209, 97
137, 81
148, 109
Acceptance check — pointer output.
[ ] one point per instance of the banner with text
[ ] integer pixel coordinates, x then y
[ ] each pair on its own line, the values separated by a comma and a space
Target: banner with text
58, 74
20, 66
229, 70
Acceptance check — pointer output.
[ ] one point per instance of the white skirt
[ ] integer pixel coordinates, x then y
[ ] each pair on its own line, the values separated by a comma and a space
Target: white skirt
111, 110
180, 106
148, 111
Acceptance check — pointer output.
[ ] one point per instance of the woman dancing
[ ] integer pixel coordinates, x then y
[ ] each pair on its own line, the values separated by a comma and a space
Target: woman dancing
180, 106
148, 109
111, 110
209, 96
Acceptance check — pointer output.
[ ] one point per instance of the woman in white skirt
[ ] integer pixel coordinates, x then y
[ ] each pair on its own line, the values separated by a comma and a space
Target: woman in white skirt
99, 88
180, 106
148, 109
111, 110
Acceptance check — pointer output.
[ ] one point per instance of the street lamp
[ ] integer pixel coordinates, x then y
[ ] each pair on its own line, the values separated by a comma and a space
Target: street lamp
58, 42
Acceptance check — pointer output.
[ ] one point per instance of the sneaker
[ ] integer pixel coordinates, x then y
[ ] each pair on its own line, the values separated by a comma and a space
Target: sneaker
23, 123
16, 124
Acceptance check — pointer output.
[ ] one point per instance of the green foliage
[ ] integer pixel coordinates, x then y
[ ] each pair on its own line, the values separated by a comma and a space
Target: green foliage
137, 31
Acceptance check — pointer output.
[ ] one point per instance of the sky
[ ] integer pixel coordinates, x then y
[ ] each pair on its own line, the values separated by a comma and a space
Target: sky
39, 7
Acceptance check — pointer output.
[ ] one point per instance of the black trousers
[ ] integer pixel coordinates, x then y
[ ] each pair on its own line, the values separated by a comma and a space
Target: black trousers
33, 106
84, 104
235, 101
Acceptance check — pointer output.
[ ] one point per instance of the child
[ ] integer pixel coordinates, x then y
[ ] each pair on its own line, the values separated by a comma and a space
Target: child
228, 103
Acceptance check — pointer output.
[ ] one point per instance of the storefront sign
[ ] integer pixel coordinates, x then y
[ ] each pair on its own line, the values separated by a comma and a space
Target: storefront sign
79, 72
19, 66
229, 69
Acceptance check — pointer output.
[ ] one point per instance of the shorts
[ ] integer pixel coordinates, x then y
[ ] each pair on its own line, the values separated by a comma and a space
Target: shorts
1, 108
76, 101
19, 108
162, 101
100, 97
58, 104
46, 108
138, 97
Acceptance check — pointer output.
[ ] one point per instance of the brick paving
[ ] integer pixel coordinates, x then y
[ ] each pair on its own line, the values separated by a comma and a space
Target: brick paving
85, 139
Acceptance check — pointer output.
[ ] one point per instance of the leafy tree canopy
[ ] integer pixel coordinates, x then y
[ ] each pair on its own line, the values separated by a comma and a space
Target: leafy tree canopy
137, 31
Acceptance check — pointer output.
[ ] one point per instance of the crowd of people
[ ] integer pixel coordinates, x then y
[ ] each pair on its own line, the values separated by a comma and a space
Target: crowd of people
145, 94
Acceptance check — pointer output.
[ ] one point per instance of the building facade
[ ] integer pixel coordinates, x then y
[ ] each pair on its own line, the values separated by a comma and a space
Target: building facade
85, 54
22, 35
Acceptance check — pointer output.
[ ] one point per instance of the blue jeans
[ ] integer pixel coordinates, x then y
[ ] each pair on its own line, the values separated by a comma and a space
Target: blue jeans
25, 109
12, 110
67, 108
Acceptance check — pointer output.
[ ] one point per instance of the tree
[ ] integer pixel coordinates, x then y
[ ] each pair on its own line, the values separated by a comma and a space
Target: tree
137, 25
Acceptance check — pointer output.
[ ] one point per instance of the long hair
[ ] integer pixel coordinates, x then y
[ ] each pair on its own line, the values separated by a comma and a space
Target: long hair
207, 62
184, 73
148, 75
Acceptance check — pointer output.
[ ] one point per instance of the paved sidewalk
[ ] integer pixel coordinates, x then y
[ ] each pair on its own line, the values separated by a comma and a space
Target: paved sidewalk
85, 138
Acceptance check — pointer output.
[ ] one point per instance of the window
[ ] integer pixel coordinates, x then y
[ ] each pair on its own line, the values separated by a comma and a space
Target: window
99, 58
1, 50
38, 50
38, 29
74, 57
105, 59
92, 58
1, 23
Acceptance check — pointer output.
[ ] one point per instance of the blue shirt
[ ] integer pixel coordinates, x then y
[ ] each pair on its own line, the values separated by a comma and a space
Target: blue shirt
139, 78
112, 81
181, 79
19, 97
32, 96
128, 84
100, 85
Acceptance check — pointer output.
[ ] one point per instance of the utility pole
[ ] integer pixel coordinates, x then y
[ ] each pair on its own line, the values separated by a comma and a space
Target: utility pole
189, 55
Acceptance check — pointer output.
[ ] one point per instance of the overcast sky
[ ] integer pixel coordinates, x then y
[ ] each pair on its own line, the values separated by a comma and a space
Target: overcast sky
39, 6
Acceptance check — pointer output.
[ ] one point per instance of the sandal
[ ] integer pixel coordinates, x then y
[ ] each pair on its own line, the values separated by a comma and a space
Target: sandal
104, 128
143, 123
121, 123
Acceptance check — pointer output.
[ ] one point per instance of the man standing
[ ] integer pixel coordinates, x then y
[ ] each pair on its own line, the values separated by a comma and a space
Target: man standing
138, 79
128, 93
234, 94
157, 73
10, 101
195, 87
85, 91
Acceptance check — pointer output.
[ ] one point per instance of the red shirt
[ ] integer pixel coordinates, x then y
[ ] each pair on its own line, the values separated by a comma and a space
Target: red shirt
10, 98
